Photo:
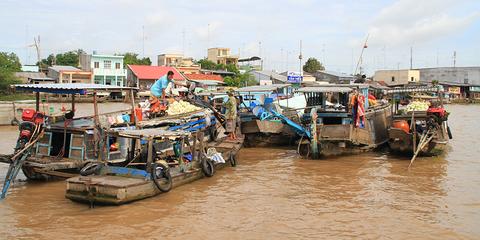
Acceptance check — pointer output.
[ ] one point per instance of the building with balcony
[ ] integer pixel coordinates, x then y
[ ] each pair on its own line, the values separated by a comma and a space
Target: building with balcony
183, 64
106, 69
222, 56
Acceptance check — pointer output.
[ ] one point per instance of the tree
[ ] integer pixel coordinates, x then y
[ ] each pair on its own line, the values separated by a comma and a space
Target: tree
132, 58
9, 64
232, 68
207, 64
312, 65
69, 58
240, 80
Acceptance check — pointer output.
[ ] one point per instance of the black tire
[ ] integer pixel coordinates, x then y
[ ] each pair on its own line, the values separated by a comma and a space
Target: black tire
160, 173
90, 169
14, 122
450, 136
233, 160
207, 167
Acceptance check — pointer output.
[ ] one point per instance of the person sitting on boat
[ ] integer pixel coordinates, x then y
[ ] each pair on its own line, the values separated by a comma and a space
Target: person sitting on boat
231, 115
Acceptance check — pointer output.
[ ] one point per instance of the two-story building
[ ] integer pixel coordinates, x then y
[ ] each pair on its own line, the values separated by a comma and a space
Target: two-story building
106, 69
397, 77
183, 64
222, 56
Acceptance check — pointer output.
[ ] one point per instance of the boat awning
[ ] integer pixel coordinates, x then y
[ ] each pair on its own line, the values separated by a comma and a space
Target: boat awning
262, 88
411, 90
150, 133
325, 89
68, 88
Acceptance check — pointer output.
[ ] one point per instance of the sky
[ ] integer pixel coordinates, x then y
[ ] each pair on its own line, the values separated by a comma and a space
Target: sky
334, 32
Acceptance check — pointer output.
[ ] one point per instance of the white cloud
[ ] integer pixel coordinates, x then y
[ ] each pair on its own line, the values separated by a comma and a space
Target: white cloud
412, 21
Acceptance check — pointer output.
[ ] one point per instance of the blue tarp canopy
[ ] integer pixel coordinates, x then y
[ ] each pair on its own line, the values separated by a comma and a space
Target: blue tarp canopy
68, 88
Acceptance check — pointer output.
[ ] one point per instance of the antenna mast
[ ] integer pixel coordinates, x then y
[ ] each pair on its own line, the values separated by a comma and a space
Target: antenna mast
361, 54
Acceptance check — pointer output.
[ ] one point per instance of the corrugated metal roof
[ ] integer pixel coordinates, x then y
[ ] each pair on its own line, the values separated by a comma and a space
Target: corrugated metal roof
326, 89
153, 72
59, 68
337, 74
262, 88
272, 75
67, 88
411, 90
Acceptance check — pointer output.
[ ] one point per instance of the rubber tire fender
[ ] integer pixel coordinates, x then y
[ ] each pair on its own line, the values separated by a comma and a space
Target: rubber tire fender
90, 168
450, 136
166, 175
233, 160
207, 167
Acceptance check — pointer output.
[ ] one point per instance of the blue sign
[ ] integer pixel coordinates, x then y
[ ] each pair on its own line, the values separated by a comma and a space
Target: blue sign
294, 77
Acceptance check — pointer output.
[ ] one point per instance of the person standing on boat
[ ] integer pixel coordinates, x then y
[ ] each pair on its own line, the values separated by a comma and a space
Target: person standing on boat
164, 85
231, 115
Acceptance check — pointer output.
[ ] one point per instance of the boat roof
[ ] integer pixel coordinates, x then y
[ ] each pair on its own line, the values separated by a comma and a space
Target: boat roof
410, 90
68, 88
262, 88
327, 88
150, 133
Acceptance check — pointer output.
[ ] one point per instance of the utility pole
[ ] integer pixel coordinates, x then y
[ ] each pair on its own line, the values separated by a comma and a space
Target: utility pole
143, 41
411, 57
183, 41
300, 57
454, 58
208, 36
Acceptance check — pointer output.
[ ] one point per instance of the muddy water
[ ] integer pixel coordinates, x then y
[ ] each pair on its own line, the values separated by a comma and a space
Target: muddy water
272, 194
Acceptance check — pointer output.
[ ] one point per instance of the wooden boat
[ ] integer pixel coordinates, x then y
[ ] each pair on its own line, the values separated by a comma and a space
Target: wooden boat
58, 147
261, 128
159, 173
336, 126
418, 132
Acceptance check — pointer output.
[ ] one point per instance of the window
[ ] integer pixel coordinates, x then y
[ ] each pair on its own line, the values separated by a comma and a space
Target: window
117, 65
107, 64
96, 65
412, 79
393, 79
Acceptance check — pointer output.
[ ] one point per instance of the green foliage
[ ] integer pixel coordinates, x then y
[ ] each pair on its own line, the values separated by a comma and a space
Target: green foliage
10, 61
9, 64
207, 64
232, 68
240, 80
69, 58
312, 65
132, 58
434, 82
16, 97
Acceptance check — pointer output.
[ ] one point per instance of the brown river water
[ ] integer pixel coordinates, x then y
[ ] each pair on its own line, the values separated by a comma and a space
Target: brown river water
272, 194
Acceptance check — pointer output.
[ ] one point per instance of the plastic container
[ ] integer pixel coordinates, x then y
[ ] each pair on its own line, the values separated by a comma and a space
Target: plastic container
401, 124
28, 114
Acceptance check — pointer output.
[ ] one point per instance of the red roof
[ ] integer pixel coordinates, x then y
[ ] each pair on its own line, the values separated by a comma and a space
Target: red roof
209, 77
153, 72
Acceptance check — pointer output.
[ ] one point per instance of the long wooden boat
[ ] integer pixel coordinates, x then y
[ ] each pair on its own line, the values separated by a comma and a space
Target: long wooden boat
58, 147
261, 129
424, 133
159, 173
337, 126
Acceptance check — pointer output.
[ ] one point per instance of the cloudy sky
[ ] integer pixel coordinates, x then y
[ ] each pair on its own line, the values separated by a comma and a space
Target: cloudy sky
331, 31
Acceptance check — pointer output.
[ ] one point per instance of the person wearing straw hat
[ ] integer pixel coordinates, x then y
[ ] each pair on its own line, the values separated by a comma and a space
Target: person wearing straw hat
231, 115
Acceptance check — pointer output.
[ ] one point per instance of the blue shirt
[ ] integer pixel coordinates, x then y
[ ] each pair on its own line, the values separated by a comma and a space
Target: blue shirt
159, 85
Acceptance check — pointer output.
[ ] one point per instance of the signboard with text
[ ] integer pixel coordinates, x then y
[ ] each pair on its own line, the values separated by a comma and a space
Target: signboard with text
294, 77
